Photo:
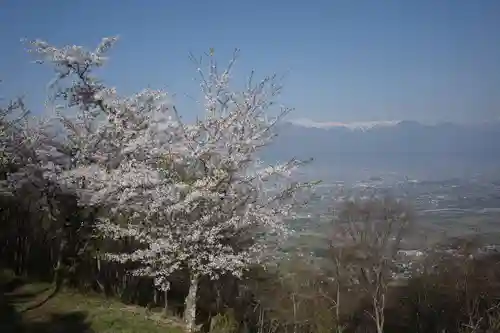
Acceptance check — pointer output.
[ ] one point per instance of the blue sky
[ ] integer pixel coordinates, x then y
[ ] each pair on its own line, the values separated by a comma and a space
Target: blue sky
346, 60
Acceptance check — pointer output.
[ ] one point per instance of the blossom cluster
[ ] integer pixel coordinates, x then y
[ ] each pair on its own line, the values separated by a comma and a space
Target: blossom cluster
194, 196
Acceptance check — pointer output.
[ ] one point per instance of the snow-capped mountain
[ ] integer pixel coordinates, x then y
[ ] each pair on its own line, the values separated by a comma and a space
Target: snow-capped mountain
402, 137
397, 146
366, 125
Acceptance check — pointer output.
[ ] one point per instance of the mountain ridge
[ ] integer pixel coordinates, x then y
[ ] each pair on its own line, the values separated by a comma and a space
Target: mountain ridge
405, 137
366, 125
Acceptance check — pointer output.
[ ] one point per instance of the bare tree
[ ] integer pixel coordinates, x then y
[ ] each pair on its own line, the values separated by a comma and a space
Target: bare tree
368, 234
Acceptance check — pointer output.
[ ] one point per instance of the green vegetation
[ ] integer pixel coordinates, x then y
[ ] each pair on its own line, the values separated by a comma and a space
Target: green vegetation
34, 307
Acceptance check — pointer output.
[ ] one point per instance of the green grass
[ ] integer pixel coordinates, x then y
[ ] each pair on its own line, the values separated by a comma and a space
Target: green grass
33, 307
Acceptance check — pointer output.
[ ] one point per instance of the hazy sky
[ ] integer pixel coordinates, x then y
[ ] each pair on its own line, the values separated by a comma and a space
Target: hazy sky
350, 60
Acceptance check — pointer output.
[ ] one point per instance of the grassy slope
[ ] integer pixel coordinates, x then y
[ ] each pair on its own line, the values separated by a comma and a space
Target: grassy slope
30, 308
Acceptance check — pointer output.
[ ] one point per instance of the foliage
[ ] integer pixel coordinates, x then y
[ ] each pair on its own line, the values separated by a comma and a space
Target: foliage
224, 323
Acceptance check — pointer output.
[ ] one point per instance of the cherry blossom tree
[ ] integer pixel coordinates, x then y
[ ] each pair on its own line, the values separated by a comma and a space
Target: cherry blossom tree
195, 196
25, 158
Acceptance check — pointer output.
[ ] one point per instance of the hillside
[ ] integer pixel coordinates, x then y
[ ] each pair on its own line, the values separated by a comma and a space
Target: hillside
31, 307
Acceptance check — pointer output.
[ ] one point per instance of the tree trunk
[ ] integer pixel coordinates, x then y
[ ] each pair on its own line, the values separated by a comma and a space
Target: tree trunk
98, 276
155, 296
19, 256
165, 302
58, 273
378, 307
294, 313
337, 305
190, 304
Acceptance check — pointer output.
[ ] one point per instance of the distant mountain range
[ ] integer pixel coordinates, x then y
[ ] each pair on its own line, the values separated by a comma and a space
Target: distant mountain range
395, 147
403, 137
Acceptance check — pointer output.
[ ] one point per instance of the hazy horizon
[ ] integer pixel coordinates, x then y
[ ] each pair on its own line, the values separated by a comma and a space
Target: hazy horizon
345, 61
